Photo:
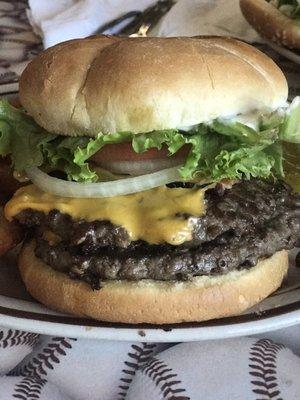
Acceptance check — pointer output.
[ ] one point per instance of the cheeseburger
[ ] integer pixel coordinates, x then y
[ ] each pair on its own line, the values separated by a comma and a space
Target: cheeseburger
276, 20
157, 173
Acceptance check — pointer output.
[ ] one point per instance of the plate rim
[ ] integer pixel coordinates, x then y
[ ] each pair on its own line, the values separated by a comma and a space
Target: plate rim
274, 319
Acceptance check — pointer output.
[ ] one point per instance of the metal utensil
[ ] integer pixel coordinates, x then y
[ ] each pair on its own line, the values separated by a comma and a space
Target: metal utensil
137, 23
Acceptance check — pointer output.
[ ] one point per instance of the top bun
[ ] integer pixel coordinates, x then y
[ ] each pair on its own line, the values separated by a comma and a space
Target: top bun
271, 23
108, 84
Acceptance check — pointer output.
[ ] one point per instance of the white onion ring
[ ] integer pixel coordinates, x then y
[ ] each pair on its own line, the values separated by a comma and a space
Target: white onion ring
142, 167
59, 187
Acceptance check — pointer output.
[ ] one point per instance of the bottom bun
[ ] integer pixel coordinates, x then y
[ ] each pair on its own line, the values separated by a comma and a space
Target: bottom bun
149, 301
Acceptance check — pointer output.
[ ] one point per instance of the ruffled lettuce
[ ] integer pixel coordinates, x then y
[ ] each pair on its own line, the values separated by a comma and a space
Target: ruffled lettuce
29, 145
289, 7
221, 149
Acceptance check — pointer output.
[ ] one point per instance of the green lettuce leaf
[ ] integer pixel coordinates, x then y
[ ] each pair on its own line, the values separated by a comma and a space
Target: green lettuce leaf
221, 149
289, 7
21, 137
71, 154
290, 127
29, 145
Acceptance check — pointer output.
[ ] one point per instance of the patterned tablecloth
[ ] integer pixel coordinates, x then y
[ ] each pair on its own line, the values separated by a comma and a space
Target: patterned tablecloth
18, 44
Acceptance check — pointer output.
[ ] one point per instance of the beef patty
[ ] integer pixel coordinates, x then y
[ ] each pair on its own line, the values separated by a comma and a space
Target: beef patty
240, 210
253, 219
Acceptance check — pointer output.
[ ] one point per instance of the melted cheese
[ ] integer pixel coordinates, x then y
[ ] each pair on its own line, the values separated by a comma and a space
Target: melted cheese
156, 216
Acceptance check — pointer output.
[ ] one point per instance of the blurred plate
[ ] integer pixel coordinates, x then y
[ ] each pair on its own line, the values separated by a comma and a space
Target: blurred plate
284, 51
19, 311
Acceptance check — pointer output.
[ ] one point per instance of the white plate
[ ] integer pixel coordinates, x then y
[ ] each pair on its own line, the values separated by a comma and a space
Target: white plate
284, 51
19, 311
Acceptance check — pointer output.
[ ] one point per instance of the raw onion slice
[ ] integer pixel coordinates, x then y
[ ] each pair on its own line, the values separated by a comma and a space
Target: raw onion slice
63, 188
135, 168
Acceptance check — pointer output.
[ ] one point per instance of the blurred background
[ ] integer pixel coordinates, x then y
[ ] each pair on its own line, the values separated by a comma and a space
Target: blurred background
26, 27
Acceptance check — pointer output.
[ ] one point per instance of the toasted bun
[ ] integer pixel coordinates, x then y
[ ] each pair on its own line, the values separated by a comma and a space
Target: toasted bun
154, 302
106, 84
271, 23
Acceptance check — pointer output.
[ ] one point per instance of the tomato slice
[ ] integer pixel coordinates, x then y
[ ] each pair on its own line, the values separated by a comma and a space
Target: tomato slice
125, 152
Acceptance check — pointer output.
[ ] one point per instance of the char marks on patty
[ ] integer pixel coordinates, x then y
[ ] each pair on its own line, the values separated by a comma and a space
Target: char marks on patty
251, 220
167, 263
239, 210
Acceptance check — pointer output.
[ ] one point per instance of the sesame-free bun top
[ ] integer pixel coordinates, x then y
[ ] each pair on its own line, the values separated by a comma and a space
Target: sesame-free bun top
109, 84
271, 23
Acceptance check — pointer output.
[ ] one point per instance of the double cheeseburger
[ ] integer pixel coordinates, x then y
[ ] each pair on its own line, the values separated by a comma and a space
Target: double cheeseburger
276, 20
157, 173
